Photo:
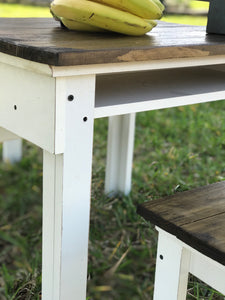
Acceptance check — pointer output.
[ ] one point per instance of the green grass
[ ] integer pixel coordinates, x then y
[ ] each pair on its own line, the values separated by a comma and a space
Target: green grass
26, 11
189, 20
199, 5
23, 11
175, 149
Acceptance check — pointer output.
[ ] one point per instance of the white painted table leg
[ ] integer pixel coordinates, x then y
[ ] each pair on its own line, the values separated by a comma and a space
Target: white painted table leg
12, 151
66, 199
120, 154
172, 267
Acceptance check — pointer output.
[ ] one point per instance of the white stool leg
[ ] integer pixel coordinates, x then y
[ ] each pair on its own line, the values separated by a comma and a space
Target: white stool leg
172, 267
120, 154
12, 151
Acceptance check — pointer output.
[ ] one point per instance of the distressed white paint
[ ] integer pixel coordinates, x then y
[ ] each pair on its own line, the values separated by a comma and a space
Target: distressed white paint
121, 133
208, 270
60, 112
52, 225
157, 104
179, 259
25, 64
172, 266
28, 109
118, 94
121, 67
66, 202
6, 135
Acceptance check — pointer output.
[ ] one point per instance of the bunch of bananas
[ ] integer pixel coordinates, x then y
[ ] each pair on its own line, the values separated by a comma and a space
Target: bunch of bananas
129, 17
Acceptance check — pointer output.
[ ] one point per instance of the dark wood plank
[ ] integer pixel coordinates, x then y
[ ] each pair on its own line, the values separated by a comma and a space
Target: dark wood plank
43, 40
207, 236
196, 217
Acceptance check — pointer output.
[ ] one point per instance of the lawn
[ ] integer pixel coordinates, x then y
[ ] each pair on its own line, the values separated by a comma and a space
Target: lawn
175, 149
26, 11
23, 11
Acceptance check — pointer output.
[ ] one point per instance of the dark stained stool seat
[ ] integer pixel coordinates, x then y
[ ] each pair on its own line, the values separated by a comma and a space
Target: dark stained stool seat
194, 222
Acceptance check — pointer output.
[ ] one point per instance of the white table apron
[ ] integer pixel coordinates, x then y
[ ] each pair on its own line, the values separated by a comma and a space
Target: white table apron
55, 108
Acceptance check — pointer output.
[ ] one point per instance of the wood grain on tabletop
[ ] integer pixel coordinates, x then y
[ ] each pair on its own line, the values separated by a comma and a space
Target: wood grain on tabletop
197, 217
43, 40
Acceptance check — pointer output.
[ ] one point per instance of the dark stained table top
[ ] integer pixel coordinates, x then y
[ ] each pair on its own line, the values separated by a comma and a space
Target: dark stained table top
44, 41
196, 217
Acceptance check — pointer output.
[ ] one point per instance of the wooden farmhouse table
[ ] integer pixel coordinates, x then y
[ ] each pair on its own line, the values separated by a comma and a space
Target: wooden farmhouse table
54, 83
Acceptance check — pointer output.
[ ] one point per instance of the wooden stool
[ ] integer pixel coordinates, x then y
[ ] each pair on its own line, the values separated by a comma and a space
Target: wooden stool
191, 228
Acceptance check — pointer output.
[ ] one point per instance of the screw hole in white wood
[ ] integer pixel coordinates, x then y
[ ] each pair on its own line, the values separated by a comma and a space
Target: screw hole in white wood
70, 97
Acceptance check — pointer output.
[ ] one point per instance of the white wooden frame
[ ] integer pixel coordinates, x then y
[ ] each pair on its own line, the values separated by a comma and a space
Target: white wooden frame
12, 146
119, 161
175, 260
66, 198
55, 108
12, 151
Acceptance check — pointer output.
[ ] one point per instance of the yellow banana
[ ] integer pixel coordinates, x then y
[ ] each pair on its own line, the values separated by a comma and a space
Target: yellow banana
78, 26
153, 23
146, 9
102, 16
74, 25
160, 4
54, 16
